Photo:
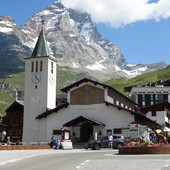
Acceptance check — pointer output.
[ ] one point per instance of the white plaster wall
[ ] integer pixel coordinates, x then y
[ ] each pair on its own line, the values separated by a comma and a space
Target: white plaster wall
38, 97
42, 131
159, 118
108, 115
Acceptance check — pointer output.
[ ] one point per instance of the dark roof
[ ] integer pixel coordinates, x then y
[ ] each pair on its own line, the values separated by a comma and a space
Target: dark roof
143, 120
48, 112
66, 89
16, 105
156, 107
82, 119
41, 48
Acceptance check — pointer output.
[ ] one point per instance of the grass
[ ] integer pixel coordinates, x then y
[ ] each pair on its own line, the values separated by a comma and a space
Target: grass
66, 77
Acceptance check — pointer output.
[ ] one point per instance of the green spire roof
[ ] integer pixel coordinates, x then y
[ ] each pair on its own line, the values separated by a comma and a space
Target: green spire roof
41, 48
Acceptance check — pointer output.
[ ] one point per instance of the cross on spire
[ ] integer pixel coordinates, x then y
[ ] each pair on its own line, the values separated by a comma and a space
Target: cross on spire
42, 21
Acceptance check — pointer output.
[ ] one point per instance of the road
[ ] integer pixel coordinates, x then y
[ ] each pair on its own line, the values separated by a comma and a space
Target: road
80, 159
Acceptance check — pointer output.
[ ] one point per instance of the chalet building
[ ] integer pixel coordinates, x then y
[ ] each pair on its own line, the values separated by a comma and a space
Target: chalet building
151, 93
154, 99
14, 121
92, 108
159, 113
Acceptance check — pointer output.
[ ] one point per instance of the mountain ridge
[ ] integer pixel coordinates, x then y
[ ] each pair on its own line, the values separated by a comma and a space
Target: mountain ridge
74, 41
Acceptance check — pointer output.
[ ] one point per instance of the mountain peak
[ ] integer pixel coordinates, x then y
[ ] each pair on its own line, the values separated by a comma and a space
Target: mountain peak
76, 43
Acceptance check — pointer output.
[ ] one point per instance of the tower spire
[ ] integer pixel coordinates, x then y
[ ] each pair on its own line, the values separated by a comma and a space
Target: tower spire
41, 48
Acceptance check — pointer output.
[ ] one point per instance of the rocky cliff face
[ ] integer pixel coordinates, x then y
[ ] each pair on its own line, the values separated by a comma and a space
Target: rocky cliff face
73, 40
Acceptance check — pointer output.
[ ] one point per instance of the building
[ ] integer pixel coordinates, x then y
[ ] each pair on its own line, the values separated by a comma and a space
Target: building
154, 100
159, 113
151, 93
14, 121
92, 108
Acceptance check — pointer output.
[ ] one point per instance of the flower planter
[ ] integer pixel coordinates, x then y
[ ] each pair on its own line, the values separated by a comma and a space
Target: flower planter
24, 147
144, 150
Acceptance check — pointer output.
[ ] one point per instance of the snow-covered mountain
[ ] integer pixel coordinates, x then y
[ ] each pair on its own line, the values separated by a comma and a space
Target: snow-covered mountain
74, 41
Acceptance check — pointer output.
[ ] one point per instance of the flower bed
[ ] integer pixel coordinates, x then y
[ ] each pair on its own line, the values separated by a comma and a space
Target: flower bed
153, 148
24, 147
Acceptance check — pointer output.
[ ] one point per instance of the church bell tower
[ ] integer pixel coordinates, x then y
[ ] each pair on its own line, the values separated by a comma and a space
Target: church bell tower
40, 90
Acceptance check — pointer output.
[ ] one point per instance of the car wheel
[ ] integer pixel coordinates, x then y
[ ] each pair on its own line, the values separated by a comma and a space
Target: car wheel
96, 147
119, 145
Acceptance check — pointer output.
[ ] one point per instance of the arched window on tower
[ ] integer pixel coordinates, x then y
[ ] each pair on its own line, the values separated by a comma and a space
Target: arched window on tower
41, 65
36, 69
52, 67
32, 66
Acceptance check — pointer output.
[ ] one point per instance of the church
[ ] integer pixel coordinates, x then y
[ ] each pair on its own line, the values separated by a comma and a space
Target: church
92, 109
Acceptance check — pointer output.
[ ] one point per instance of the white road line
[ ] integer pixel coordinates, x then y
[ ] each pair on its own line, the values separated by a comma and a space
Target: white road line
82, 164
10, 161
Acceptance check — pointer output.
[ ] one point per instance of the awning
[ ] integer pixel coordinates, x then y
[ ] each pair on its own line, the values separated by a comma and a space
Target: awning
82, 119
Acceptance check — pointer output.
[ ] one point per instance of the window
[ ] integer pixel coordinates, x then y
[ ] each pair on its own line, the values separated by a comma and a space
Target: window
109, 131
151, 97
32, 66
153, 113
52, 67
143, 97
56, 132
41, 65
36, 69
117, 131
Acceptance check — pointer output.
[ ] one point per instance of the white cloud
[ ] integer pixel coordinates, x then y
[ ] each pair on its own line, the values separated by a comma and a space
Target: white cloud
119, 13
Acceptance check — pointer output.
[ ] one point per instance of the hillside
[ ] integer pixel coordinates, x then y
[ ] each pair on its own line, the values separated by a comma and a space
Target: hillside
119, 84
65, 77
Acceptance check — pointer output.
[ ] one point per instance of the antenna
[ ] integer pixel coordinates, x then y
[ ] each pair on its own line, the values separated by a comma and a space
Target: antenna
42, 21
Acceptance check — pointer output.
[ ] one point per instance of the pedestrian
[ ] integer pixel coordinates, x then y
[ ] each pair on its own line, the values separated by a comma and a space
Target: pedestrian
53, 142
110, 138
8, 140
58, 143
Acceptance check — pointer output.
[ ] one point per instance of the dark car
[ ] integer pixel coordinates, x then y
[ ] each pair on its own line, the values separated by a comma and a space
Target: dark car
103, 142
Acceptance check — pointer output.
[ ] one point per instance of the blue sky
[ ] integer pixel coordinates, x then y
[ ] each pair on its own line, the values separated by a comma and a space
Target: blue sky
140, 28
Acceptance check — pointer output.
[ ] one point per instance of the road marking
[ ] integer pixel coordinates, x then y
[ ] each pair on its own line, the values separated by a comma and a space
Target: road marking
9, 161
82, 164
166, 166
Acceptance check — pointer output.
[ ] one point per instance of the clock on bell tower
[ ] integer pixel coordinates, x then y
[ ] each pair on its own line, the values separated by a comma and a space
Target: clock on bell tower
40, 90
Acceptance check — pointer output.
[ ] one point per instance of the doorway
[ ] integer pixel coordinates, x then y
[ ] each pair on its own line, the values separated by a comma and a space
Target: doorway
86, 131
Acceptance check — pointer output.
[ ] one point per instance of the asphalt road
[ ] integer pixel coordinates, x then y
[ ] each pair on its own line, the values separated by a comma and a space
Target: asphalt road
105, 159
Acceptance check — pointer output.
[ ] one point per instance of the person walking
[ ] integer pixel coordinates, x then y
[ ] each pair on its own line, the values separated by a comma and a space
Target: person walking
110, 138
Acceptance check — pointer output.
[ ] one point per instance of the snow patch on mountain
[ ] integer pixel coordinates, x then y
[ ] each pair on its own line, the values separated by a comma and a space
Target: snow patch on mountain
96, 66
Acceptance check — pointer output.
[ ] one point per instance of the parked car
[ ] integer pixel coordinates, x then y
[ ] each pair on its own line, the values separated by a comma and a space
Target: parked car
103, 142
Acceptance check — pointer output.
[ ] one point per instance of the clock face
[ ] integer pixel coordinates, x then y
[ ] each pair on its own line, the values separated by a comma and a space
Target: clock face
51, 78
36, 78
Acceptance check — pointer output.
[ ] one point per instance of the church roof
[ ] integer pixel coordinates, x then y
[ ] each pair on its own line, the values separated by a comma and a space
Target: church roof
85, 80
41, 48
48, 112
83, 119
